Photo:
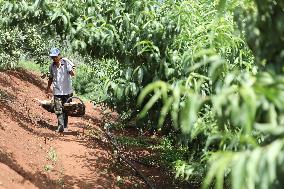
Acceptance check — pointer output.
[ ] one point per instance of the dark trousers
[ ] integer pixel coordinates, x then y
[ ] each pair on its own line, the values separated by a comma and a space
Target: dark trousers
62, 116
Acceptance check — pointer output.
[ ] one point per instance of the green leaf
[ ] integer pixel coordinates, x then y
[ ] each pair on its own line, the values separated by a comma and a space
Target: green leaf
150, 103
239, 172
165, 111
189, 112
128, 74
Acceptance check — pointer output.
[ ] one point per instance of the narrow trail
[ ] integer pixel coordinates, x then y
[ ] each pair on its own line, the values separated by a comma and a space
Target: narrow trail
80, 163
32, 155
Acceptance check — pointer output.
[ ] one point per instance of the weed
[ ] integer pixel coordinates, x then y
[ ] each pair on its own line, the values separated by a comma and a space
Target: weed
29, 65
119, 181
52, 155
48, 168
135, 142
60, 181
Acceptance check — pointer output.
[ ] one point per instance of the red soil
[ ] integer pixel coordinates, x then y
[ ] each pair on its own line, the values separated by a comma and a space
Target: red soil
32, 154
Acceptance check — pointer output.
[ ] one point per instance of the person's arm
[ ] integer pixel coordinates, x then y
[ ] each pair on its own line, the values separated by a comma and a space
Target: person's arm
70, 67
50, 80
72, 72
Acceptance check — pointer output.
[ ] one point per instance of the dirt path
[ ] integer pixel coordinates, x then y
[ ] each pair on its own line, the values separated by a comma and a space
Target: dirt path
83, 164
32, 155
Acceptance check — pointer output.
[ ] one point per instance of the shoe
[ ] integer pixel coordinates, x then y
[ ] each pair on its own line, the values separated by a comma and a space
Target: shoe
59, 130
66, 129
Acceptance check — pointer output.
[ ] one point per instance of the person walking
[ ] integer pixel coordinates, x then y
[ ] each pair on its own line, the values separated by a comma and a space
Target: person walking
60, 72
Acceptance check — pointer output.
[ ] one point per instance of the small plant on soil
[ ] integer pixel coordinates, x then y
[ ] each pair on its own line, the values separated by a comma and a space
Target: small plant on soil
48, 168
52, 155
60, 181
119, 181
134, 142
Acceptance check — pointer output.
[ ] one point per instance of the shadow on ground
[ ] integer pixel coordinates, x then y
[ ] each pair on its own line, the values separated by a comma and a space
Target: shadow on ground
29, 77
38, 179
24, 120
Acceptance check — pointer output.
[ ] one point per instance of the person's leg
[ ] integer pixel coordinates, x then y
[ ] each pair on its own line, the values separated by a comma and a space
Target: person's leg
58, 108
65, 114
65, 119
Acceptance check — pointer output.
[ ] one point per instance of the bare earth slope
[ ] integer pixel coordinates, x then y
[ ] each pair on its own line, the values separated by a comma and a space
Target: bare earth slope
32, 155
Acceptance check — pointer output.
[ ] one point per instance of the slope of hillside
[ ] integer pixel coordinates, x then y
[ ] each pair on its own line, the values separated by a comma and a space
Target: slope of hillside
32, 155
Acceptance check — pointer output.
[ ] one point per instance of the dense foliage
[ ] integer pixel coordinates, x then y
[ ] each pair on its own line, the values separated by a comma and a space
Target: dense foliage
206, 71
151, 40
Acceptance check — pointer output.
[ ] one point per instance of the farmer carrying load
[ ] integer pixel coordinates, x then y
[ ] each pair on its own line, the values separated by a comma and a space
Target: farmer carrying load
60, 72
